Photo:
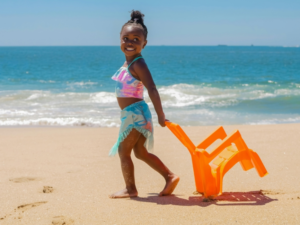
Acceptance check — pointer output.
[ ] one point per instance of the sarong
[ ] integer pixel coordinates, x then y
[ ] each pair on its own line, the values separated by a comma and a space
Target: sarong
135, 116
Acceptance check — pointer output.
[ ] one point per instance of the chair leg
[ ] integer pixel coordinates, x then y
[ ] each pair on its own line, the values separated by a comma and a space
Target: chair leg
246, 164
197, 174
259, 166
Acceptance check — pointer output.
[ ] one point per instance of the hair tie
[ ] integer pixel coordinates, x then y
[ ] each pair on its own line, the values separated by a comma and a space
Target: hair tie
135, 19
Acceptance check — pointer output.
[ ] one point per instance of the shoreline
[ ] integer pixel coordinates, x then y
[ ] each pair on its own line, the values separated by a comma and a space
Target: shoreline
95, 127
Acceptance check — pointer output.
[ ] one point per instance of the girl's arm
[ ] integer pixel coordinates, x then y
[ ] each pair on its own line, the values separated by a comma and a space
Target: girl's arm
141, 71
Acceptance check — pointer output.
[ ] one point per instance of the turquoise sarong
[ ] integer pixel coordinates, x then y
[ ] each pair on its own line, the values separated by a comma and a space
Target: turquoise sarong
137, 116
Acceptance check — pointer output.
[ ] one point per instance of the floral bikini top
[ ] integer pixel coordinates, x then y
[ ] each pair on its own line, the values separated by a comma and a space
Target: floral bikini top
127, 86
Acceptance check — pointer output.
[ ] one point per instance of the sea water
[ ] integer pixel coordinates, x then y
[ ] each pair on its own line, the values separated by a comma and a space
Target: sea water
217, 85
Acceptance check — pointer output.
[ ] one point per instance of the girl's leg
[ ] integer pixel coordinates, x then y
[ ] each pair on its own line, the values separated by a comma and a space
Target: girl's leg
153, 161
125, 148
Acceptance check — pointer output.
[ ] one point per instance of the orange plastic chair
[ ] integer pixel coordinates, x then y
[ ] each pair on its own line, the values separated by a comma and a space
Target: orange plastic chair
209, 176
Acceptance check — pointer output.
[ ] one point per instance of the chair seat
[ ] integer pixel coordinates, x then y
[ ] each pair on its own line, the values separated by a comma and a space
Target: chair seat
226, 154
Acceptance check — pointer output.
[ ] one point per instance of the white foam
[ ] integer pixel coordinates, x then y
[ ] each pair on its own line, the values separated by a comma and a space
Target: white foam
103, 97
272, 82
286, 92
88, 83
33, 97
14, 112
296, 85
47, 81
71, 121
187, 95
185, 103
276, 121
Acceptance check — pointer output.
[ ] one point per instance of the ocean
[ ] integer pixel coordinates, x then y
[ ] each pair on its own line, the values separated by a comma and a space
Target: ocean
213, 85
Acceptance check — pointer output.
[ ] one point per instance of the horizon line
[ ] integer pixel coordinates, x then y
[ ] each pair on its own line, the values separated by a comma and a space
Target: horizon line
219, 45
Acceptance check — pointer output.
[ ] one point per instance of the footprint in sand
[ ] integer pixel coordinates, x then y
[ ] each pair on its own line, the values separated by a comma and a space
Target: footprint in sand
18, 212
48, 189
29, 206
23, 179
61, 220
22, 208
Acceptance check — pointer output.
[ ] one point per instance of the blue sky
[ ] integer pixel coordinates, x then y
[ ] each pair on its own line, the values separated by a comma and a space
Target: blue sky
197, 22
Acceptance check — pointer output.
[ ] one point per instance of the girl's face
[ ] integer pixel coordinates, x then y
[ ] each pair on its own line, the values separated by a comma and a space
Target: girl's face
132, 40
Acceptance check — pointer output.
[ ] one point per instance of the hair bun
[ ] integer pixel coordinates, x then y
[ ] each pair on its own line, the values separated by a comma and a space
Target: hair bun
137, 20
137, 16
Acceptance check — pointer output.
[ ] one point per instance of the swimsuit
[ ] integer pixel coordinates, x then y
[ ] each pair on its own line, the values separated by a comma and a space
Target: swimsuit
127, 86
135, 116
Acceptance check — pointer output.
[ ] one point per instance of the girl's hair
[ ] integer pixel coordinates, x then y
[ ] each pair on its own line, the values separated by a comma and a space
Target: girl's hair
137, 20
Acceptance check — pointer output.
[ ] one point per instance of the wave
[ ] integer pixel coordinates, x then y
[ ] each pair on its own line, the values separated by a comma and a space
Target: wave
180, 95
201, 104
47, 81
177, 95
184, 118
295, 119
15, 113
72, 121
78, 85
38, 96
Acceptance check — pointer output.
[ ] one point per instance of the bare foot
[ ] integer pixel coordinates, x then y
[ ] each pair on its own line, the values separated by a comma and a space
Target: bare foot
170, 185
124, 194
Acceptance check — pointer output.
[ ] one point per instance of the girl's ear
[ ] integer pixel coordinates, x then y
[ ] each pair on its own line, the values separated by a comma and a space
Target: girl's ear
145, 43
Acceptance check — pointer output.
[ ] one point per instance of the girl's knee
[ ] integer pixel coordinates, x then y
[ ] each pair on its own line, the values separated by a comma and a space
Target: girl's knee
124, 158
124, 153
141, 155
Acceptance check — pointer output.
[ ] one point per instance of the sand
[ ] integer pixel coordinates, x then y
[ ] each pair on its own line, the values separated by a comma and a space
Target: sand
64, 176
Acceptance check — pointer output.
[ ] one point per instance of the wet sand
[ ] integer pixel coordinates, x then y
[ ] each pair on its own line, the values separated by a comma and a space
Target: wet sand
64, 176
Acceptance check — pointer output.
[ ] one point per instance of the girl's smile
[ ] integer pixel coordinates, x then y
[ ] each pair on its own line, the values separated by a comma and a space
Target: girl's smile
129, 49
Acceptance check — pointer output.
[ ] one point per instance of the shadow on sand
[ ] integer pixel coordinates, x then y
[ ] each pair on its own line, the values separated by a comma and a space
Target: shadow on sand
226, 199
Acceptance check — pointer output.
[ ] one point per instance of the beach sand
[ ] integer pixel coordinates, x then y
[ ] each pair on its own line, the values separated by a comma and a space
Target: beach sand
64, 176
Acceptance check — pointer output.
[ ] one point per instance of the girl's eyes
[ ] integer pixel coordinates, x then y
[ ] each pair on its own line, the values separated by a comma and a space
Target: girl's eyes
126, 39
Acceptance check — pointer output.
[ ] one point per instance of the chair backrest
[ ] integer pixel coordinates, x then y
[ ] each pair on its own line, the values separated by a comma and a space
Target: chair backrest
235, 138
217, 134
181, 135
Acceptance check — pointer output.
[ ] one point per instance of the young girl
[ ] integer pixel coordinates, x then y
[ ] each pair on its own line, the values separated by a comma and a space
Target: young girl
136, 131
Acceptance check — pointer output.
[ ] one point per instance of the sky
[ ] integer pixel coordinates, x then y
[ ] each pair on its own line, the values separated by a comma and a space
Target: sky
185, 22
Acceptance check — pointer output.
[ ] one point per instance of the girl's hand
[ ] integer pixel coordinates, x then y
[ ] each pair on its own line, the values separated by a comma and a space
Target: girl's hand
161, 120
